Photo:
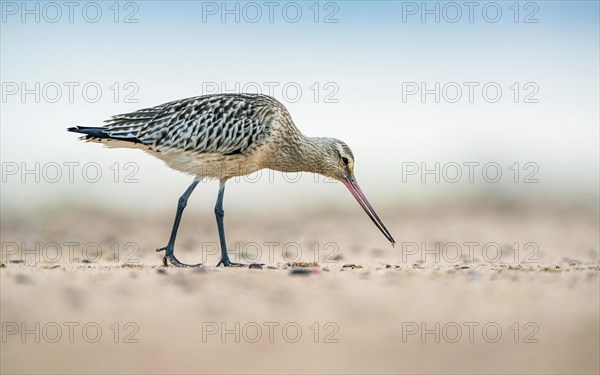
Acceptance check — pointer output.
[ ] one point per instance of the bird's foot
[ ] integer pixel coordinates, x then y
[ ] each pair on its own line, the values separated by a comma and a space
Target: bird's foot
170, 258
228, 263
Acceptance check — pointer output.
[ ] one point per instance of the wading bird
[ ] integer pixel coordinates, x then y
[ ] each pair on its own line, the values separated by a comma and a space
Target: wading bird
223, 136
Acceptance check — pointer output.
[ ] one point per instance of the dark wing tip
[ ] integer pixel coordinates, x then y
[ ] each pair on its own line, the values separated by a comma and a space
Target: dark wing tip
91, 131
99, 133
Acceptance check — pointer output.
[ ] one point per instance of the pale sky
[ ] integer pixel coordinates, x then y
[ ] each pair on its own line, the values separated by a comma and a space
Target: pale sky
349, 79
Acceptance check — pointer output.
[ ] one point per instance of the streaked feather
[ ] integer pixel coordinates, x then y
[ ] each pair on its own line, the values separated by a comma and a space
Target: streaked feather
223, 124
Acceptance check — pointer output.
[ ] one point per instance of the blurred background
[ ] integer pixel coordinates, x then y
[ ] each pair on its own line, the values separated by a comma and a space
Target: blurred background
471, 123
516, 83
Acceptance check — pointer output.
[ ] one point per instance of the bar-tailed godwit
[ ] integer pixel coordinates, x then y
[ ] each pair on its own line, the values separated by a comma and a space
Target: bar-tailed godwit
223, 136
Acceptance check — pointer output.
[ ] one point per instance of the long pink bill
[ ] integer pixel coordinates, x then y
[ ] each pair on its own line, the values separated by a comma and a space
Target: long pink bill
360, 197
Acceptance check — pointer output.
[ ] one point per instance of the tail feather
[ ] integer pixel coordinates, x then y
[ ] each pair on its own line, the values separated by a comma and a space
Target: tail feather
96, 133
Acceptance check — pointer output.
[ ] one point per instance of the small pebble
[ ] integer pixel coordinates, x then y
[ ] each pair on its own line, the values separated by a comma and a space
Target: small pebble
337, 257
131, 265
161, 271
302, 271
256, 266
50, 266
302, 264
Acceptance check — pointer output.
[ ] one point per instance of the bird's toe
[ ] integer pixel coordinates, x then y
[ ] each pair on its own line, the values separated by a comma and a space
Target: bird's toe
170, 259
228, 263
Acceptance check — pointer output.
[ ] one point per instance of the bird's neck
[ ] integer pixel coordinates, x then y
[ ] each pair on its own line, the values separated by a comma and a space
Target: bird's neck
304, 154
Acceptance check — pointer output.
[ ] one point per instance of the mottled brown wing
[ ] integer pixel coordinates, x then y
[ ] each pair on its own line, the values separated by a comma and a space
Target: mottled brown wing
224, 124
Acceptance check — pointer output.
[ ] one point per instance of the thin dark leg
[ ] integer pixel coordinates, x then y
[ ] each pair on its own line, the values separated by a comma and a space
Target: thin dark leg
219, 213
169, 256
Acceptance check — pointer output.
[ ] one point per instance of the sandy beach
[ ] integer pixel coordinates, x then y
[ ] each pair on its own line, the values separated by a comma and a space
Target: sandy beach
346, 304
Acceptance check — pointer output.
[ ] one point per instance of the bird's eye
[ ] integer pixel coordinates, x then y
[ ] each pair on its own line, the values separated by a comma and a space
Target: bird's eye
344, 160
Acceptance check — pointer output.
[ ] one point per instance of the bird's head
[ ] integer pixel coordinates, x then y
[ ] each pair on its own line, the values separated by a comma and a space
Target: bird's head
335, 158
337, 162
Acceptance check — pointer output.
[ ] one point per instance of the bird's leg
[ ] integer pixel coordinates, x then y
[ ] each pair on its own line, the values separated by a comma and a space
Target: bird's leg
219, 213
169, 256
